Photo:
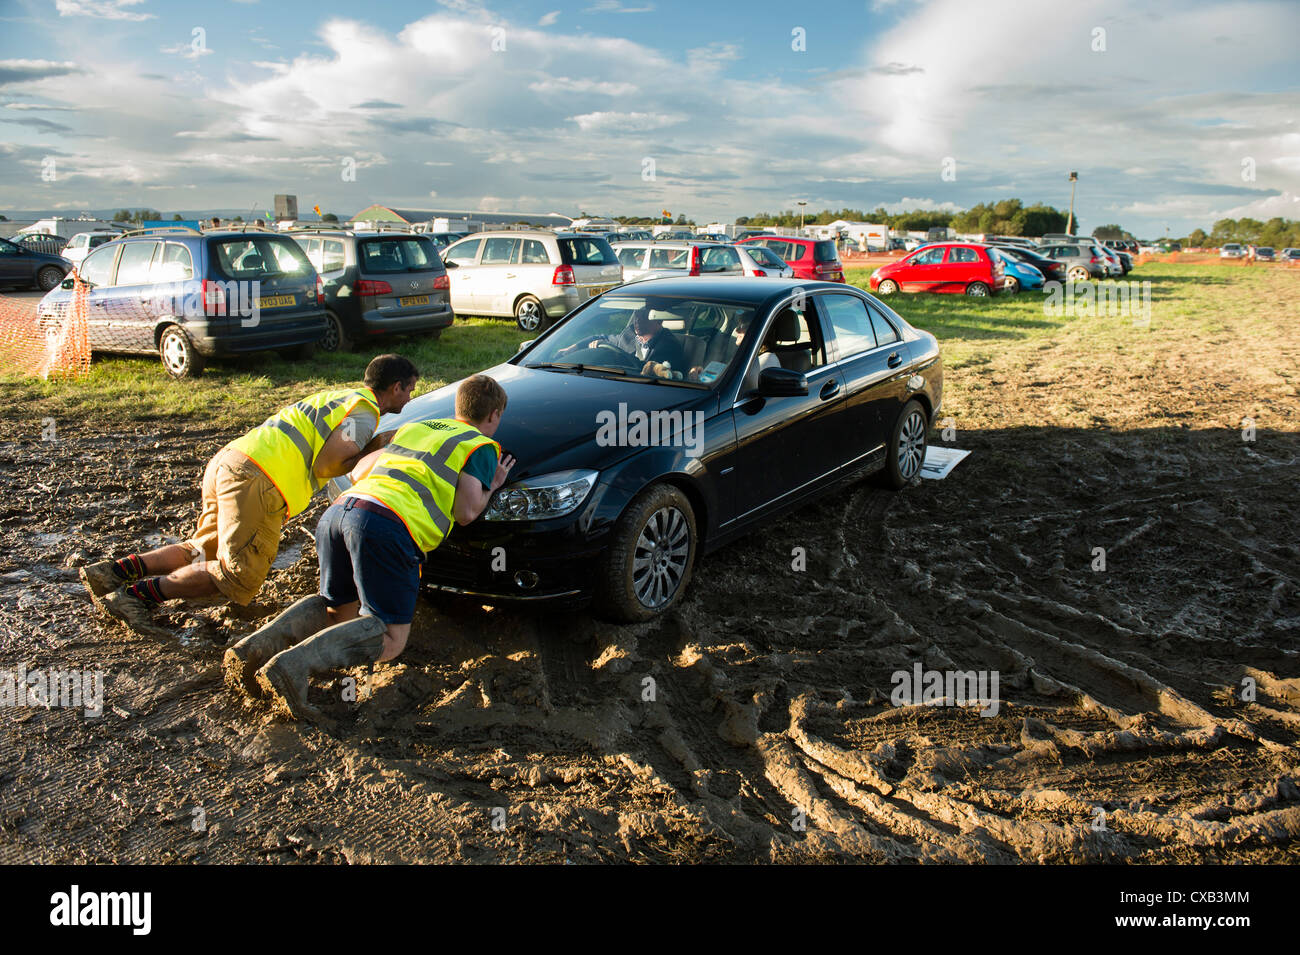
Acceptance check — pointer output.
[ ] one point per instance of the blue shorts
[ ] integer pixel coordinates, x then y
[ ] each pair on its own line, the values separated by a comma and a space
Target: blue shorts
368, 557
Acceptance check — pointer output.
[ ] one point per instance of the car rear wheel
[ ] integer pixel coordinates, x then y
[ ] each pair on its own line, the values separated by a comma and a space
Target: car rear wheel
649, 562
335, 337
48, 277
179, 356
907, 446
1078, 274
1013, 284
887, 287
529, 314
978, 289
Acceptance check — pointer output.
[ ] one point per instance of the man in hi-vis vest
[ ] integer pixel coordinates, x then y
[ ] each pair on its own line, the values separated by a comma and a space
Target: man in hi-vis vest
251, 487
371, 544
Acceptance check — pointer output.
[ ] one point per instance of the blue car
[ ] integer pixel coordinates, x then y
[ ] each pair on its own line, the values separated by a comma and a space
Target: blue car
1017, 275
187, 296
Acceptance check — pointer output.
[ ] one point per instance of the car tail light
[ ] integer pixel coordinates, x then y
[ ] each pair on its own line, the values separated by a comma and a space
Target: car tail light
759, 272
442, 282
371, 287
695, 261
1093, 260
320, 290
829, 271
214, 298
564, 276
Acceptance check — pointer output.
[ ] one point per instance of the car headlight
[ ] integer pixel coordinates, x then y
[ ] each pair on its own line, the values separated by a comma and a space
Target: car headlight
541, 497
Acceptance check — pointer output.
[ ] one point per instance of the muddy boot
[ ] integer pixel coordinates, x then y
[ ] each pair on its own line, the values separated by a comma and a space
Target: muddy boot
133, 612
101, 579
344, 644
245, 658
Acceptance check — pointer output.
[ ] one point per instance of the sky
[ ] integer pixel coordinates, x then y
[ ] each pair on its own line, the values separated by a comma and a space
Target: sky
1173, 114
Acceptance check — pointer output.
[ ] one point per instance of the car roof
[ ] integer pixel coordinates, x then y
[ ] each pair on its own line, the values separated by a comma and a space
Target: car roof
739, 289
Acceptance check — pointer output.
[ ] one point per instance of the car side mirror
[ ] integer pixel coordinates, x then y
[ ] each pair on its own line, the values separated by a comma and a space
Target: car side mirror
68, 284
523, 345
782, 383
450, 265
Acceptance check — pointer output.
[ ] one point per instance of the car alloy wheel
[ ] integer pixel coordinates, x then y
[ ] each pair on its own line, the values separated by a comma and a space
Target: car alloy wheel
48, 277
911, 445
1013, 284
1078, 274
977, 289
334, 339
528, 314
651, 554
887, 287
179, 357
659, 561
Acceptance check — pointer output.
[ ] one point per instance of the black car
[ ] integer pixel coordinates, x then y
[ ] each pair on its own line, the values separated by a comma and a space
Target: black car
25, 268
1052, 270
627, 473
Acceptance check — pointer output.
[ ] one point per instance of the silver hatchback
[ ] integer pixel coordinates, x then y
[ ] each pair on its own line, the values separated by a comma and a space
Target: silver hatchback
534, 275
676, 258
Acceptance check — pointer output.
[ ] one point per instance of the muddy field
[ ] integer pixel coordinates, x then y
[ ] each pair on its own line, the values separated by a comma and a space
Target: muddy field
1121, 735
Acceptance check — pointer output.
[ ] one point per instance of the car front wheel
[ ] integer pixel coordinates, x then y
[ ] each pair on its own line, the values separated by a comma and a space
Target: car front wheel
335, 337
649, 562
907, 446
887, 287
1078, 274
179, 356
48, 277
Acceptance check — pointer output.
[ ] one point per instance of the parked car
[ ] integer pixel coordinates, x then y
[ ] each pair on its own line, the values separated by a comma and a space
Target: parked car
535, 275
24, 268
1082, 262
960, 267
378, 283
816, 260
1265, 253
1017, 275
657, 260
759, 260
1232, 251
751, 233
80, 245
189, 296
1050, 268
44, 242
591, 512
1290, 255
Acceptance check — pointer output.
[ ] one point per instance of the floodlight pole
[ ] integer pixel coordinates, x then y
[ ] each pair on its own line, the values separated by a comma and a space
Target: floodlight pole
1069, 226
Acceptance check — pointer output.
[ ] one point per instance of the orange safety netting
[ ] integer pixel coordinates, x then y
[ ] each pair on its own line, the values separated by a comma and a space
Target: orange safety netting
45, 340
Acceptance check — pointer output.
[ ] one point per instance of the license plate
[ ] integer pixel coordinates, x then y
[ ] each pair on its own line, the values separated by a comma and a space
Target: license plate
413, 300
277, 301
595, 290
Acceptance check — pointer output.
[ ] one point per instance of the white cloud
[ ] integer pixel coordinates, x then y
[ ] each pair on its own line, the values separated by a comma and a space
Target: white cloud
548, 19
608, 120
103, 9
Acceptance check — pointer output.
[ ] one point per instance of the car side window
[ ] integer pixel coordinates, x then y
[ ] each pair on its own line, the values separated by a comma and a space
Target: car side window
631, 258
8, 248
498, 251
929, 257
463, 253
133, 268
534, 253
310, 248
885, 332
172, 264
668, 258
333, 255
719, 259
97, 268
794, 338
847, 315
961, 253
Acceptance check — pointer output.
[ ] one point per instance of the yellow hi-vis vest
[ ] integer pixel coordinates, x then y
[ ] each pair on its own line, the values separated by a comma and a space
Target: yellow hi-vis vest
286, 444
416, 475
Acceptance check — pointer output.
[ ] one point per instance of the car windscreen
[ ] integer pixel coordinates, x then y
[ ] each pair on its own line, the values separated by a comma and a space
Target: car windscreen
623, 335
586, 251
398, 254
764, 256
824, 251
257, 257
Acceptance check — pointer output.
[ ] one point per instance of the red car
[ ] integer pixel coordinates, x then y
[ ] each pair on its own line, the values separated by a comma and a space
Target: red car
813, 259
943, 267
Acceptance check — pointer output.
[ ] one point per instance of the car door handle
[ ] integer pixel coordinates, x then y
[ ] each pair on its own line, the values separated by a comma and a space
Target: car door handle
894, 360
830, 389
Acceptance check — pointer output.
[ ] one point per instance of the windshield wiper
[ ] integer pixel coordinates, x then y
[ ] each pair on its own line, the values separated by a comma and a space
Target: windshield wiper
578, 367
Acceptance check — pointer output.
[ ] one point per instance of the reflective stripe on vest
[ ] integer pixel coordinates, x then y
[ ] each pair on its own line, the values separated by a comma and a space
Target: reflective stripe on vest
285, 446
417, 474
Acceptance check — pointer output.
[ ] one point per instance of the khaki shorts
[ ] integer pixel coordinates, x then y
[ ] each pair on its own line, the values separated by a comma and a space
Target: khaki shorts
239, 526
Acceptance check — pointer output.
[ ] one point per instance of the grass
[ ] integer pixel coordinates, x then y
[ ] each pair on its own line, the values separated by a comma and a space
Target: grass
984, 340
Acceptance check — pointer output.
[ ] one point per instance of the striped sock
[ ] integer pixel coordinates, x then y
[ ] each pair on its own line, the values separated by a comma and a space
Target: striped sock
148, 591
129, 568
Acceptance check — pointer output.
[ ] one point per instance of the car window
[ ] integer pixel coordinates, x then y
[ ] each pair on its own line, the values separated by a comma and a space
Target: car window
400, 254
824, 251
765, 257
333, 255
78, 242
498, 251
719, 259
172, 264
463, 253
885, 332
287, 257
929, 256
669, 258
133, 268
960, 253
794, 337
310, 248
8, 248
97, 268
534, 253
587, 252
630, 258
98, 240
847, 315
